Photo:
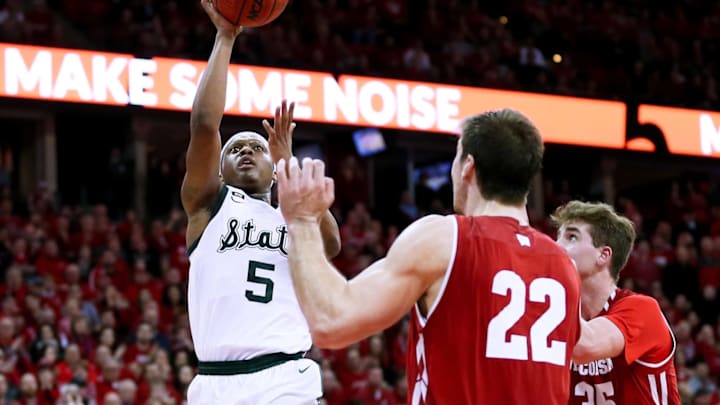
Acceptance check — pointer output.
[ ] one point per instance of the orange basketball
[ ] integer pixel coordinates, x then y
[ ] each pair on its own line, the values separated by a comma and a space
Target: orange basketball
250, 13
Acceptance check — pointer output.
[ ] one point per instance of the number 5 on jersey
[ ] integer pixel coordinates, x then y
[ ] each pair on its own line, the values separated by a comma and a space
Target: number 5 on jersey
253, 277
498, 347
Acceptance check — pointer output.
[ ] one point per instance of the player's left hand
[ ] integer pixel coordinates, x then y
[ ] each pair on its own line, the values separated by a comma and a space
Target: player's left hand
281, 132
304, 193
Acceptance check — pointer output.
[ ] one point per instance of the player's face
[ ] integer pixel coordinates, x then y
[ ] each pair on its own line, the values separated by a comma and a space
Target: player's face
575, 238
246, 163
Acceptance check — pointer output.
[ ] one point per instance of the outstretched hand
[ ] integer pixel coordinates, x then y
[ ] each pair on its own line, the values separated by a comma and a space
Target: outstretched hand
222, 24
281, 132
304, 193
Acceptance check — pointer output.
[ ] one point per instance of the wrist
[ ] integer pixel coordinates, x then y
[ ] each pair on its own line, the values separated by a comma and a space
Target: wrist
225, 37
302, 223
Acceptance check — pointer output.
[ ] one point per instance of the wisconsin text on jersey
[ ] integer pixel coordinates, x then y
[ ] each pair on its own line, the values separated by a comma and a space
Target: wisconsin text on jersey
597, 367
239, 237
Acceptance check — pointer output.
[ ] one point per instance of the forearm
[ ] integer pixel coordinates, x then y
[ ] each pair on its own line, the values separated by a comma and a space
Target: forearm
599, 339
318, 285
209, 104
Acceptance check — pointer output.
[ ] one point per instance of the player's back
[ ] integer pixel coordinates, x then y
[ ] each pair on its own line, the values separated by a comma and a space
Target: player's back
241, 300
504, 325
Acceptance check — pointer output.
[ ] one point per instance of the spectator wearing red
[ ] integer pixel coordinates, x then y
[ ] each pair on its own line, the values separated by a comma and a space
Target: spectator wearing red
140, 351
14, 284
159, 240
155, 386
185, 375
375, 391
30, 393
108, 338
111, 373
399, 346
352, 373
127, 390
49, 295
21, 253
662, 251
8, 219
684, 340
682, 275
8, 369
143, 280
50, 263
82, 335
401, 389
60, 232
85, 234
48, 390
377, 354
72, 283
333, 391
642, 268
174, 304
68, 367
110, 269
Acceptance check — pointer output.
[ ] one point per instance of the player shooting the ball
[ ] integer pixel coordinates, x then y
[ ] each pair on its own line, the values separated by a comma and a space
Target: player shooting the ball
248, 331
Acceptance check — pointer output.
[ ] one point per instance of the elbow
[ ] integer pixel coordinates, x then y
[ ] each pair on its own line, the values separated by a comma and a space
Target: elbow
332, 246
583, 353
326, 336
201, 122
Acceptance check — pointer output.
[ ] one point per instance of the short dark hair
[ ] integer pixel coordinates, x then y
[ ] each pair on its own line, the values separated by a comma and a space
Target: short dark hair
607, 228
508, 152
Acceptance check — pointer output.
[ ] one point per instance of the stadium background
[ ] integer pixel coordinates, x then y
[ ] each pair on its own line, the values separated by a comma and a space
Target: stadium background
92, 252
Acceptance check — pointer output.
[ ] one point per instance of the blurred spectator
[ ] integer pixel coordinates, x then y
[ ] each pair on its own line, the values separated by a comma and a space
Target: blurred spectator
12, 22
375, 390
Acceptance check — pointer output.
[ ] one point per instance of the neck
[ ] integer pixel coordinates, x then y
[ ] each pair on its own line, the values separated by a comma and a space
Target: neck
258, 195
261, 196
476, 205
596, 290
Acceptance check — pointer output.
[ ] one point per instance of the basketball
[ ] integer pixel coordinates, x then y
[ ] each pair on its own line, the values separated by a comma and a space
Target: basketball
250, 13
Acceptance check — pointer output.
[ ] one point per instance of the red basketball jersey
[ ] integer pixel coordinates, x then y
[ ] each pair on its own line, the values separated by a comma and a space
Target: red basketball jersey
504, 325
644, 373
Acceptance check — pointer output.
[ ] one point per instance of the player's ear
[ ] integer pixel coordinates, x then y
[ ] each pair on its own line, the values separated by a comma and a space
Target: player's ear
468, 167
605, 256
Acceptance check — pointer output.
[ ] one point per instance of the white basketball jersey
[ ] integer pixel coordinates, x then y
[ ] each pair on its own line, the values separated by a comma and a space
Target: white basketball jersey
241, 300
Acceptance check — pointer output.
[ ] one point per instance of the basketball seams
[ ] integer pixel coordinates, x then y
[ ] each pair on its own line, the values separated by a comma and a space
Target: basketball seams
240, 12
277, 10
274, 3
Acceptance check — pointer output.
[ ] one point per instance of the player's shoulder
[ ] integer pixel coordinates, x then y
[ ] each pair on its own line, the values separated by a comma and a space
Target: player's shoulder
431, 223
622, 298
426, 234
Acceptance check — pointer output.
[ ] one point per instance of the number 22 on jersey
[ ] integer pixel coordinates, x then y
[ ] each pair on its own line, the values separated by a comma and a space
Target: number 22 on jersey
498, 347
